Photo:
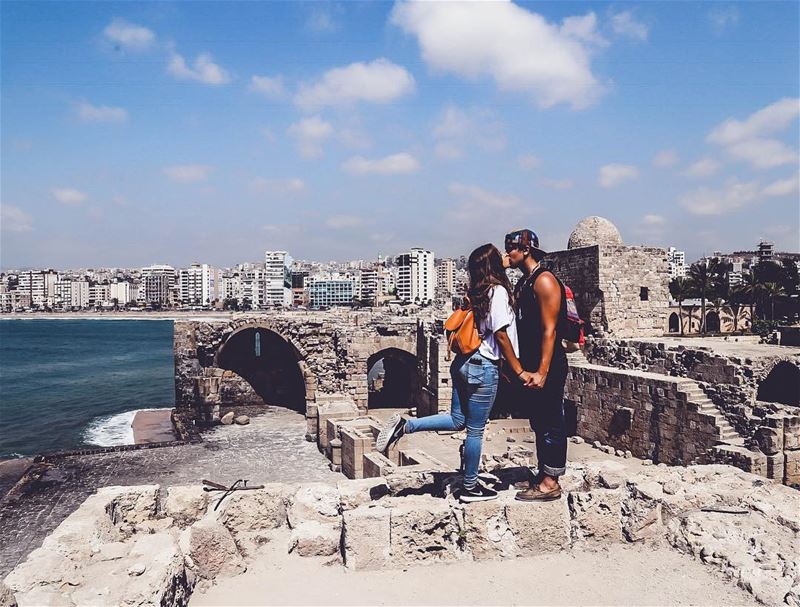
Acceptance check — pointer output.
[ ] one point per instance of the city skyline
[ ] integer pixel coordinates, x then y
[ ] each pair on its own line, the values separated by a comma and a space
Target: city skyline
141, 132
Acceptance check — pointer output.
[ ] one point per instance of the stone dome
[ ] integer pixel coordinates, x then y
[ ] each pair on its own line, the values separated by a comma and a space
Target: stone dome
594, 230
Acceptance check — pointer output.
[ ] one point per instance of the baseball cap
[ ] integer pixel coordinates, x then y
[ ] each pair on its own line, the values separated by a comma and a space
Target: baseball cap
524, 238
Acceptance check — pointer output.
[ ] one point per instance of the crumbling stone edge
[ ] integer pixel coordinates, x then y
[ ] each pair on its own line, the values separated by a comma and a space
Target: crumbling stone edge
148, 545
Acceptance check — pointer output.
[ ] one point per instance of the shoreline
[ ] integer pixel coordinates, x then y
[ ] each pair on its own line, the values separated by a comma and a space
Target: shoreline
174, 315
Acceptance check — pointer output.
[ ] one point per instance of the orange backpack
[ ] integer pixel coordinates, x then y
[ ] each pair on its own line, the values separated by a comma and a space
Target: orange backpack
463, 338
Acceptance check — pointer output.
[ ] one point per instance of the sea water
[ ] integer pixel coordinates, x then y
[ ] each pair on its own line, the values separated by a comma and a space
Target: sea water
67, 384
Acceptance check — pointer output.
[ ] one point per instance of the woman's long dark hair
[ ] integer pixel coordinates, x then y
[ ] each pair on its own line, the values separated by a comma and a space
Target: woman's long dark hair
486, 271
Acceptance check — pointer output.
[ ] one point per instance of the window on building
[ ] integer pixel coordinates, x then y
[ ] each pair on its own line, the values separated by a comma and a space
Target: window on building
644, 293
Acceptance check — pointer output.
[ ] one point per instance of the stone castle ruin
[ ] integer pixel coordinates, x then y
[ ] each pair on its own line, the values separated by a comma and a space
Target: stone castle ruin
631, 389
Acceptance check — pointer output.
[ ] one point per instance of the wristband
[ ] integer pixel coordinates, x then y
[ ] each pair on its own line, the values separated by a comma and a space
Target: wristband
521, 372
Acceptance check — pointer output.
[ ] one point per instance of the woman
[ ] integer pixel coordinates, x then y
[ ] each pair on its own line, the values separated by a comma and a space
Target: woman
475, 377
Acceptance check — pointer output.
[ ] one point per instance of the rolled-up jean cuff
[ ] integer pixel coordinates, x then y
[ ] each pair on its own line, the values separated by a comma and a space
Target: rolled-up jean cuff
553, 471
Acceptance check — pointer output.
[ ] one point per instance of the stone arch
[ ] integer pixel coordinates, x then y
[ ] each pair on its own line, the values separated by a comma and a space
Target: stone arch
781, 385
674, 323
269, 362
712, 322
392, 378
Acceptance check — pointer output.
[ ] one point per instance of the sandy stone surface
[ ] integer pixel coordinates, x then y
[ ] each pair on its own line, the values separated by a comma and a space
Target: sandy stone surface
620, 575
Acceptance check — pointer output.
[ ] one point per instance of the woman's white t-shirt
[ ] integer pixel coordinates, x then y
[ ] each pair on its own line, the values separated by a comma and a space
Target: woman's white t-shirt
500, 316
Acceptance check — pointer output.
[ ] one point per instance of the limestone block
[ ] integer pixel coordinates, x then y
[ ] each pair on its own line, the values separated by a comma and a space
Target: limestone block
770, 440
44, 567
366, 537
776, 466
131, 505
227, 419
791, 432
486, 531
314, 538
596, 516
792, 473
315, 502
354, 493
423, 529
212, 549
185, 504
539, 527
376, 465
250, 516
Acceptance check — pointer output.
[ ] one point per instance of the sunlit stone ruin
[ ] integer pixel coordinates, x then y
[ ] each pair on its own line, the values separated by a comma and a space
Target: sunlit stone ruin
685, 444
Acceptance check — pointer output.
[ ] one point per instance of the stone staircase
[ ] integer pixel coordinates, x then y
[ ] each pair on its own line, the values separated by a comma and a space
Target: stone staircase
726, 433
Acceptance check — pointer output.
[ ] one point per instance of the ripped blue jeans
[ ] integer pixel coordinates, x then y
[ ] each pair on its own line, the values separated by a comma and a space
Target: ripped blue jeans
474, 389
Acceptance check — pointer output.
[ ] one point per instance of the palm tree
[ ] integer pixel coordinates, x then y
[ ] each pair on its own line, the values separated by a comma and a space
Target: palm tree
679, 289
736, 298
704, 276
772, 290
751, 288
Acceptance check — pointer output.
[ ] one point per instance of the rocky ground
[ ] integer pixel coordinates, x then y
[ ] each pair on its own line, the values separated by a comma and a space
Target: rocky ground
270, 449
148, 545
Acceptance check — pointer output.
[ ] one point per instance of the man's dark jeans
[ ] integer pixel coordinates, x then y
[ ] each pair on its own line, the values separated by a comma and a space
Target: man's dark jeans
545, 408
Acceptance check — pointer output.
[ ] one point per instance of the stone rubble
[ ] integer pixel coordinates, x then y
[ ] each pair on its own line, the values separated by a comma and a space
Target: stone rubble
147, 546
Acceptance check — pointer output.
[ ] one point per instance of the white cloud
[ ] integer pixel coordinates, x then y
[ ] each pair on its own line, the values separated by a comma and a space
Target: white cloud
705, 167
624, 24
69, 196
528, 162
310, 134
519, 49
475, 198
763, 153
380, 81
653, 221
749, 141
783, 187
271, 88
665, 159
260, 185
766, 121
204, 70
129, 35
458, 129
341, 222
396, 164
723, 18
14, 219
614, 174
101, 113
734, 195
583, 28
556, 184
187, 173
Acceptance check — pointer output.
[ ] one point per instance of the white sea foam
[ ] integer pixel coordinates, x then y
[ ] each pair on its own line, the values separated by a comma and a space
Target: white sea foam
111, 430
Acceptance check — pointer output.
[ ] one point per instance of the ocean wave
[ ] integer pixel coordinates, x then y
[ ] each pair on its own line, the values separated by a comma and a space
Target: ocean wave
111, 430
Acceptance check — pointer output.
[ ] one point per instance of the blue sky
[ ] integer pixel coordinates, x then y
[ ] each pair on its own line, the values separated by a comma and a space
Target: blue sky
136, 133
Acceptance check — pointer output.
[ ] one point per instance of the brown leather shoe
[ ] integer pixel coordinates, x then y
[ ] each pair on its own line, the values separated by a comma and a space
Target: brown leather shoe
528, 483
534, 494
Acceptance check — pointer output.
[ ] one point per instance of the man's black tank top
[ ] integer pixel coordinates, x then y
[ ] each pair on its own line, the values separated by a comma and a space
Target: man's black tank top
529, 323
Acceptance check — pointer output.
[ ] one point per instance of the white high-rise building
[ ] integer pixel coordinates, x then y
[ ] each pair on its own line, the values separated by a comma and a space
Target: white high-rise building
99, 294
416, 277
278, 277
121, 291
158, 284
39, 285
446, 277
252, 287
677, 263
199, 285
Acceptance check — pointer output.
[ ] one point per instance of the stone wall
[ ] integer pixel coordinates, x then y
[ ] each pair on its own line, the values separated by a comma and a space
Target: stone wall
148, 546
332, 351
650, 415
619, 290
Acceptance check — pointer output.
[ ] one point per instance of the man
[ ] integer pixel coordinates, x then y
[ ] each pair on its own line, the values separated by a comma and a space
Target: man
541, 304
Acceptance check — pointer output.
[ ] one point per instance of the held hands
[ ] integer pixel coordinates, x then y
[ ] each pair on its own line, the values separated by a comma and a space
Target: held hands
532, 380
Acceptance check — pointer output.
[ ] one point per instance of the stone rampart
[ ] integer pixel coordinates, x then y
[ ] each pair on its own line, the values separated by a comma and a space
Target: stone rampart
149, 546
651, 415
